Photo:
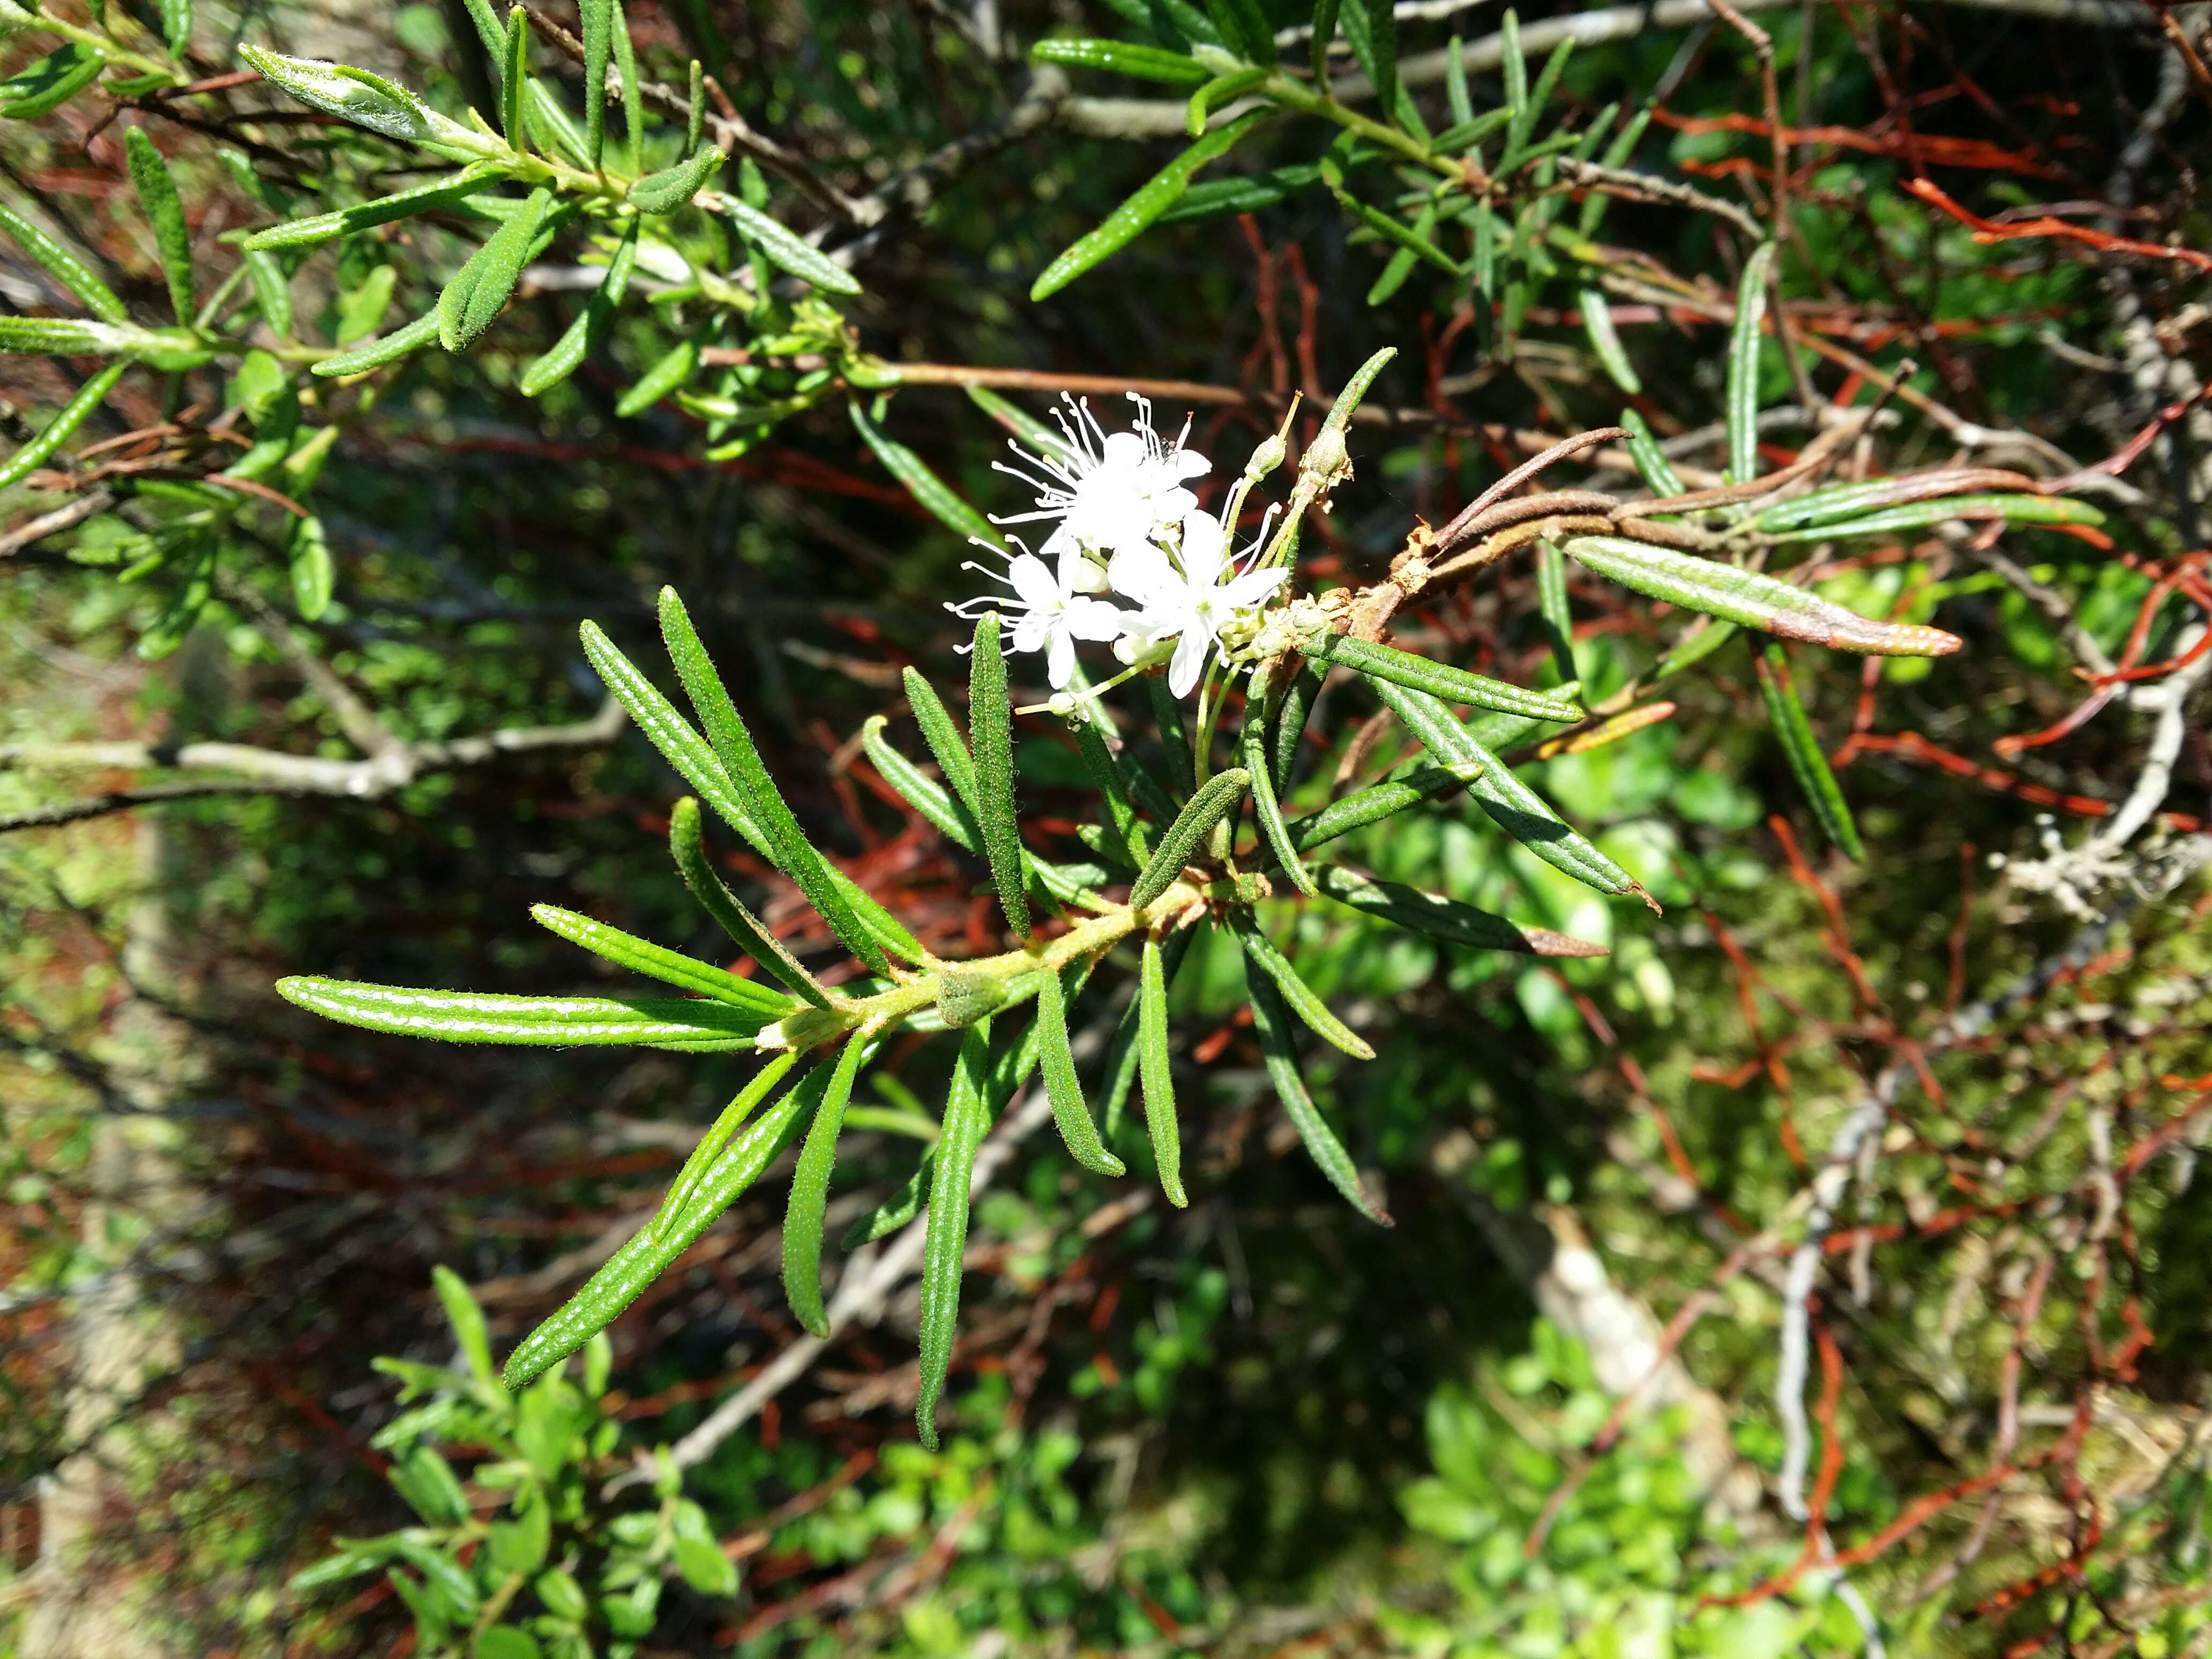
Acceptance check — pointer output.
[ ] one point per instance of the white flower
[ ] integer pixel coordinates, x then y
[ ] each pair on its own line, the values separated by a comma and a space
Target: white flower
1110, 491
1050, 612
1190, 604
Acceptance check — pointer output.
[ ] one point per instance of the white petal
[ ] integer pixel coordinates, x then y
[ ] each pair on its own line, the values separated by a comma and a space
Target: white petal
1253, 587
1141, 571
1124, 450
1060, 667
1189, 659
1032, 580
1189, 463
1203, 549
1077, 574
1031, 632
1094, 619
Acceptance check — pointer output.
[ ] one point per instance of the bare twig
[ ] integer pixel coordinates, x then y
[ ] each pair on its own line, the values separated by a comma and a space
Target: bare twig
233, 769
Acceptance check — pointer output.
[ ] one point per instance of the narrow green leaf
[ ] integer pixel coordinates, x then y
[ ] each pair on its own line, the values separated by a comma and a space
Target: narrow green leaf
591, 325
183, 611
356, 95
1402, 264
1447, 919
490, 36
1243, 28
809, 1193
1253, 745
923, 485
551, 128
1166, 715
313, 572
467, 1320
1158, 1074
1069, 1110
165, 213
1261, 950
479, 291
695, 762
1182, 838
1391, 231
536, 1022
1918, 515
694, 119
176, 26
1225, 89
1801, 747
1356, 389
1324, 36
1271, 1023
513, 58
1288, 730
1371, 806
63, 266
898, 1210
272, 291
657, 962
673, 187
1743, 366
632, 92
1752, 599
1464, 136
1659, 474
1706, 636
1106, 778
1129, 221
787, 252
687, 842
1035, 433
1384, 662
1120, 1075
1376, 45
991, 723
947, 814
51, 81
1597, 322
667, 731
1123, 57
650, 1249
1514, 66
670, 372
428, 1483
787, 845
1552, 606
733, 1117
56, 432
945, 1241
1516, 808
597, 17
1616, 155
1219, 197
1456, 94
1539, 96
74, 337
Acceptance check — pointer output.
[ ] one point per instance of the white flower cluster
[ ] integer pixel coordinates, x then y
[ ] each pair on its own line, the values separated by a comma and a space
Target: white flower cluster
1126, 527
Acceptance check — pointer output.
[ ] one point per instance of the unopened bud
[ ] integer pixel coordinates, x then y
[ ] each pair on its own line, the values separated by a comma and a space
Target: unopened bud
1326, 457
1062, 703
1265, 460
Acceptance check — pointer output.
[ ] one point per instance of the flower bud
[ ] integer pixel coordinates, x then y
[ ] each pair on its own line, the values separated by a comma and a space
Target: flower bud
1265, 460
1326, 457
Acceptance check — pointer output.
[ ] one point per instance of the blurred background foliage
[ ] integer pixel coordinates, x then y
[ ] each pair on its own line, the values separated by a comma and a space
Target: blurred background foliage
1259, 1425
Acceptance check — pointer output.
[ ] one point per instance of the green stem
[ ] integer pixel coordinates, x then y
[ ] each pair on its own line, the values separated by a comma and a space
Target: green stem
1091, 937
105, 46
1296, 95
